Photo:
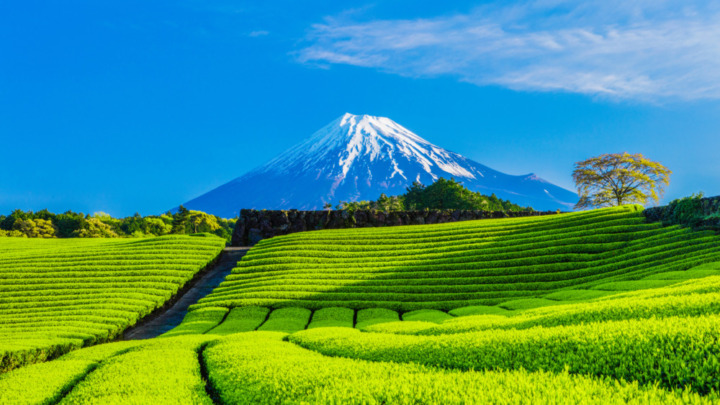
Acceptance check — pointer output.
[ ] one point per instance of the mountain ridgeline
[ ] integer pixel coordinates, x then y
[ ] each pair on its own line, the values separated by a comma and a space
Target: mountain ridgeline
359, 157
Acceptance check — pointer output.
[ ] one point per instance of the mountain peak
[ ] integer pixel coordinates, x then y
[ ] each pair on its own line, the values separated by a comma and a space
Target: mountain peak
350, 126
357, 157
364, 121
357, 117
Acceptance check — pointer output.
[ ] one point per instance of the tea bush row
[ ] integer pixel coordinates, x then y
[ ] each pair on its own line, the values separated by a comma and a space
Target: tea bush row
65, 293
673, 352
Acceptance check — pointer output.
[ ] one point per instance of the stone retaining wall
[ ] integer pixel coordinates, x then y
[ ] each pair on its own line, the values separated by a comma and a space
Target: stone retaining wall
253, 225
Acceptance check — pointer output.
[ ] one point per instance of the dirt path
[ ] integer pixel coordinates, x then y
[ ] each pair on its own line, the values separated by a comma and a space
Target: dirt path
172, 317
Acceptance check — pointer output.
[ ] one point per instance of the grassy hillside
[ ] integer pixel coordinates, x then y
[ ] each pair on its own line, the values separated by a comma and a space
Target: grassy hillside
666, 350
61, 294
620, 312
448, 266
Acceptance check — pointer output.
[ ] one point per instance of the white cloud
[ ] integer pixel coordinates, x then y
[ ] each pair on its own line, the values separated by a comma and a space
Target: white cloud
260, 33
646, 50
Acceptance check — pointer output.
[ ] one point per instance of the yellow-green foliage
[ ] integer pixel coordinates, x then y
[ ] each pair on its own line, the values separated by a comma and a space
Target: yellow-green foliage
479, 310
633, 285
448, 266
619, 178
199, 322
332, 317
404, 327
60, 294
157, 371
256, 368
372, 316
287, 320
426, 315
574, 295
47, 383
243, 319
259, 367
166, 371
526, 303
709, 269
692, 298
43, 383
674, 352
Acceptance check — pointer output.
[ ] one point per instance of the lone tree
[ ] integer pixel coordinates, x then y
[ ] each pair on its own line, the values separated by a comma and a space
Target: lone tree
619, 178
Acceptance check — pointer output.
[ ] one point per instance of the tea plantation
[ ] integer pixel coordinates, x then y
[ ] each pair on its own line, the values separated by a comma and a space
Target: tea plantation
61, 294
513, 262
594, 307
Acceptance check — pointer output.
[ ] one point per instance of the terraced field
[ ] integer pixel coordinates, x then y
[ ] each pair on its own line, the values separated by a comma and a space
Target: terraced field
512, 262
596, 307
61, 294
665, 349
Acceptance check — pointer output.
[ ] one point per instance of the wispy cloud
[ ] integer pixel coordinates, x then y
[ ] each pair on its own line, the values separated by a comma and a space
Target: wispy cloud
650, 51
260, 33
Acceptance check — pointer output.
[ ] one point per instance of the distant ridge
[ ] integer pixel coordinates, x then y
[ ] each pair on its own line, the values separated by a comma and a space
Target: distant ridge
357, 157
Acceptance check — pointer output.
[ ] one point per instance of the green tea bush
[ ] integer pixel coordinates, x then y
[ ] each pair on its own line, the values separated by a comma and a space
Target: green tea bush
448, 266
633, 285
404, 327
165, 371
57, 295
692, 298
526, 303
372, 316
577, 295
671, 352
426, 315
257, 368
479, 310
287, 320
244, 319
47, 383
333, 316
42, 383
709, 269
199, 322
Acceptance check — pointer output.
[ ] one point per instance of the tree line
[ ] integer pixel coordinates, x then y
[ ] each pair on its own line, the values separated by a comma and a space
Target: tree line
442, 194
606, 180
45, 224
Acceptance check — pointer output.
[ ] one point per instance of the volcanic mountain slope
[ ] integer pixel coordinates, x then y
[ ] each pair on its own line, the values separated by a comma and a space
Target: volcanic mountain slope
357, 157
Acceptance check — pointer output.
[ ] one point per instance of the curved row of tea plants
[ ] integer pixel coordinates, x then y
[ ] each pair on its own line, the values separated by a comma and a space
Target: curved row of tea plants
674, 352
698, 295
454, 265
60, 294
261, 368
667, 335
255, 368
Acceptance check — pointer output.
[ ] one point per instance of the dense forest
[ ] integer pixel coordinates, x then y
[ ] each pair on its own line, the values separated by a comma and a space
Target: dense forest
45, 224
442, 194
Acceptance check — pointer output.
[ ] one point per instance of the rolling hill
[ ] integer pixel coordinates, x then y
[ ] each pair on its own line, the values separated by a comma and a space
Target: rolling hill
447, 266
592, 307
57, 295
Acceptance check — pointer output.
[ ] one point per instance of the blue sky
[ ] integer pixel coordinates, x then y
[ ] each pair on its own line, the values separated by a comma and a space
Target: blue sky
138, 106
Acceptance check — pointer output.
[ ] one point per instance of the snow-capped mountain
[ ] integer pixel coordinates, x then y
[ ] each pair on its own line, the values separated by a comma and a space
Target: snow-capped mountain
357, 157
